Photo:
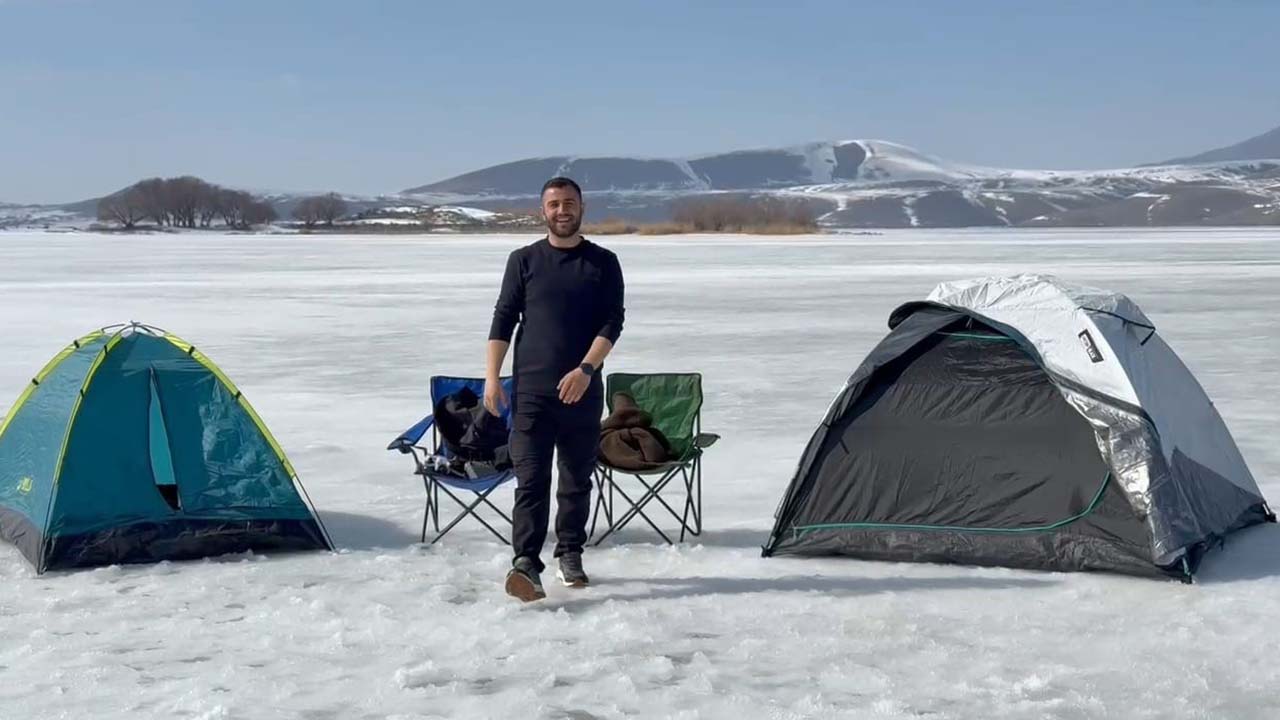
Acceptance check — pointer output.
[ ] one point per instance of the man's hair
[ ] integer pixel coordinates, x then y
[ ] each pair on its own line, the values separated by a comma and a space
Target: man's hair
561, 182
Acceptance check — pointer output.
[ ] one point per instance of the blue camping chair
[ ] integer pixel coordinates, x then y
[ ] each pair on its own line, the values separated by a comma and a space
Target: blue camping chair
436, 480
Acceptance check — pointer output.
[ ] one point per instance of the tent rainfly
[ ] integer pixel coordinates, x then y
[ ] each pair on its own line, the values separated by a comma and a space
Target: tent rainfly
1021, 422
131, 446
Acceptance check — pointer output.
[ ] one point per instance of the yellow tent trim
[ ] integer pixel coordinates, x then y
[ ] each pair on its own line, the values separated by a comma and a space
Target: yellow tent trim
75, 409
44, 373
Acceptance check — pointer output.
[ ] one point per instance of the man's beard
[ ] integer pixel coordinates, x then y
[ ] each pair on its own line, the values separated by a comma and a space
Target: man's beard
570, 230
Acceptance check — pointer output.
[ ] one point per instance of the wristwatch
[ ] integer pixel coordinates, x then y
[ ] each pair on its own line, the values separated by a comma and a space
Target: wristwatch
587, 369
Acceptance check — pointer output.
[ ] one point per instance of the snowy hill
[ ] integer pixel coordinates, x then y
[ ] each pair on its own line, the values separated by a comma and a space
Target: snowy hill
848, 184
47, 217
1262, 147
814, 163
875, 183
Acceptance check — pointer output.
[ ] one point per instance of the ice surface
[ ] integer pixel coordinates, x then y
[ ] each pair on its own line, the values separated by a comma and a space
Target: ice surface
332, 339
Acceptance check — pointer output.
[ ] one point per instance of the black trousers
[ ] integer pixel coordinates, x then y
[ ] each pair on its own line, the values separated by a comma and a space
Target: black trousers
541, 424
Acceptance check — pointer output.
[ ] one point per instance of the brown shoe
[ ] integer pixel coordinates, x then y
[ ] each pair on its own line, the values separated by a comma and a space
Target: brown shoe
523, 581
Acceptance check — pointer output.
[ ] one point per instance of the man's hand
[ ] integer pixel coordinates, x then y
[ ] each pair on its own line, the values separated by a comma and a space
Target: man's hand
495, 398
573, 386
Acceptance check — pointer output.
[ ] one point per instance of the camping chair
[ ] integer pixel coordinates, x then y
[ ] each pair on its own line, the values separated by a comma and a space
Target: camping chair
431, 461
674, 401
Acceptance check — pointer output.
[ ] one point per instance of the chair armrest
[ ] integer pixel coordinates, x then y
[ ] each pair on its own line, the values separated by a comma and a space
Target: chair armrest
705, 440
407, 439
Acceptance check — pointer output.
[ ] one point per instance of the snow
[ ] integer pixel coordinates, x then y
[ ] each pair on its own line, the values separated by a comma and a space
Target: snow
909, 207
694, 179
38, 216
1159, 200
332, 339
892, 162
820, 161
470, 212
386, 221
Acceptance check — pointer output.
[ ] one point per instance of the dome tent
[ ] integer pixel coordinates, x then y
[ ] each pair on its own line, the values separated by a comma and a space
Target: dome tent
132, 446
1022, 422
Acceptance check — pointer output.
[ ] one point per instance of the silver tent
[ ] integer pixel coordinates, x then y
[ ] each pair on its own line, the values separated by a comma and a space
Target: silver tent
1156, 431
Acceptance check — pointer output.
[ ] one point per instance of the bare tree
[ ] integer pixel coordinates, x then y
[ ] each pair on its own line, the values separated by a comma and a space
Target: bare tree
320, 209
307, 212
152, 194
257, 212
184, 196
332, 207
241, 210
207, 207
127, 207
229, 206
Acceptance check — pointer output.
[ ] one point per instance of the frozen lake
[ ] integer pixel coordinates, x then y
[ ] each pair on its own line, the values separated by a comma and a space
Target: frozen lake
333, 338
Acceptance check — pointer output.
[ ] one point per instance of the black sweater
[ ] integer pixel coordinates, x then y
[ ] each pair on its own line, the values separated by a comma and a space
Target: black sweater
563, 300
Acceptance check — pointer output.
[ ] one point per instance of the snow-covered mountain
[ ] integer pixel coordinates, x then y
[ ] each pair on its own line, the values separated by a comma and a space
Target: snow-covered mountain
848, 184
876, 183
1261, 147
811, 164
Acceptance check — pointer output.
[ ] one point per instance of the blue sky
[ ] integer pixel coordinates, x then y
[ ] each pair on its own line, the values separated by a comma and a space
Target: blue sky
378, 96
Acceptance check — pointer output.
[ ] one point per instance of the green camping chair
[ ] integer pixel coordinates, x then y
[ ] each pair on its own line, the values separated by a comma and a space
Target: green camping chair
675, 403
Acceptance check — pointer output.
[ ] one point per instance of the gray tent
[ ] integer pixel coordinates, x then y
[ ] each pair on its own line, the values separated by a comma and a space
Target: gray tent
1021, 422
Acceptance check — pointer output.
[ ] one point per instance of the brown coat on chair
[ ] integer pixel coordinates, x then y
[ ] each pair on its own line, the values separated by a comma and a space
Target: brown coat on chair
628, 440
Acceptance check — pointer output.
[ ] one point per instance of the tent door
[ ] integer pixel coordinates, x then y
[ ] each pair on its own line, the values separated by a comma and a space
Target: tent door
161, 455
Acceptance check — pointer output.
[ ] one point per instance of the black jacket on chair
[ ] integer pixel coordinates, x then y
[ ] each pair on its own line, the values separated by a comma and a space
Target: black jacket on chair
469, 433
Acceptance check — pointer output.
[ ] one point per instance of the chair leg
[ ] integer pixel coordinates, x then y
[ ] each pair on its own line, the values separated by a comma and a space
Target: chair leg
427, 509
688, 502
698, 510
485, 499
628, 517
610, 507
470, 509
690, 516
604, 499
651, 492
599, 505
693, 502
435, 506
605, 479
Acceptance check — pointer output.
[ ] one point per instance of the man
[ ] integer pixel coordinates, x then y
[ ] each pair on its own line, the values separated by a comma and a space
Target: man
566, 293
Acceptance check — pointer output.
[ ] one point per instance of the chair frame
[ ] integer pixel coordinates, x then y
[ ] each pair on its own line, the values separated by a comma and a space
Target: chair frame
687, 468
436, 482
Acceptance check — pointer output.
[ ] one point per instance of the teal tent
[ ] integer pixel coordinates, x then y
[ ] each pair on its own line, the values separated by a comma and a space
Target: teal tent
131, 446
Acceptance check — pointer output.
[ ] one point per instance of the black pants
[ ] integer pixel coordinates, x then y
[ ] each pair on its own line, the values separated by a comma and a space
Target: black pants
542, 424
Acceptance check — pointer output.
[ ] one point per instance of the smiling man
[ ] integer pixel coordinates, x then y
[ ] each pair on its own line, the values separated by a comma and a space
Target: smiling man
566, 294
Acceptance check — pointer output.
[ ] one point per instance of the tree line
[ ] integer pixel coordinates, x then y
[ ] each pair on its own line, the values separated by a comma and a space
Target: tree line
186, 202
189, 202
